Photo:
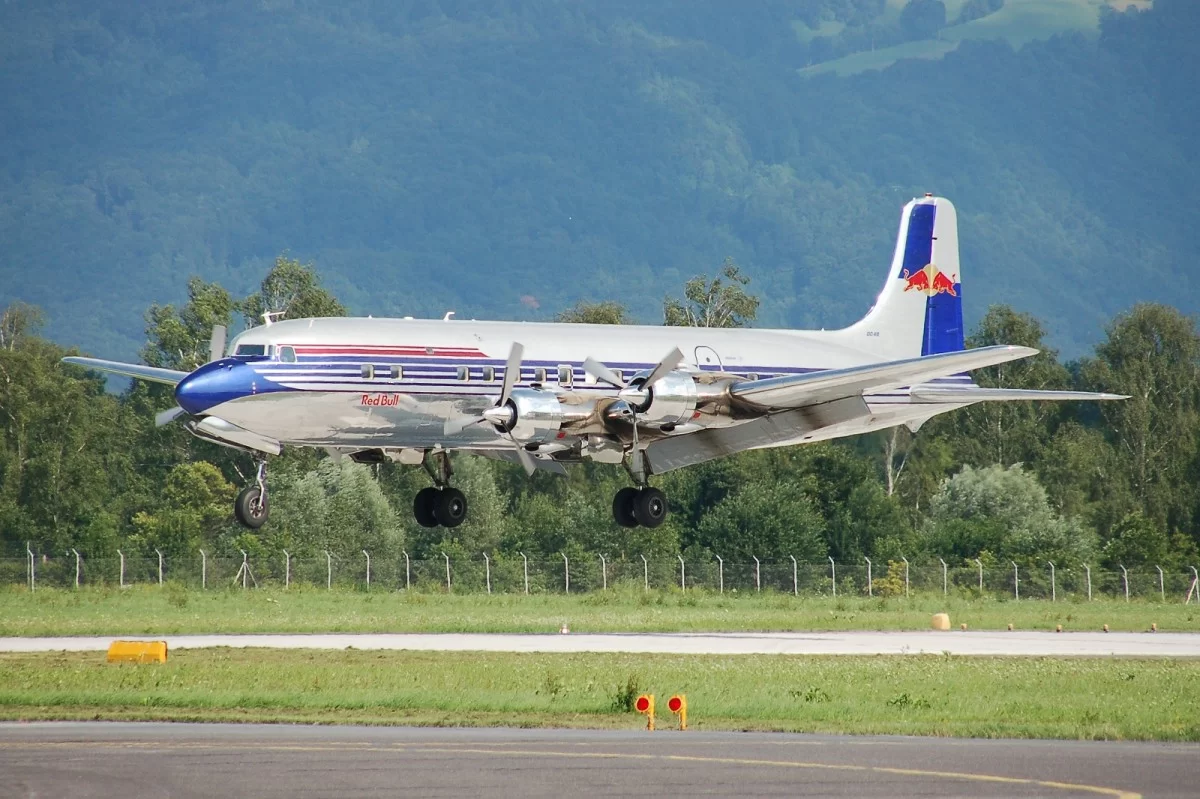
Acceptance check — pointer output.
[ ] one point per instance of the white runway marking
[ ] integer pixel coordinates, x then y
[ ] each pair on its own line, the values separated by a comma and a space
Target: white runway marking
1030, 644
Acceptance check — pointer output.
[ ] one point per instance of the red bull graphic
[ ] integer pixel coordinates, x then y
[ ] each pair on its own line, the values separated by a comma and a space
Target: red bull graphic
381, 400
930, 281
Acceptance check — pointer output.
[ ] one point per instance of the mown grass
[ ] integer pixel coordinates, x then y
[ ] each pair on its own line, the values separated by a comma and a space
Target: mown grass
917, 695
151, 610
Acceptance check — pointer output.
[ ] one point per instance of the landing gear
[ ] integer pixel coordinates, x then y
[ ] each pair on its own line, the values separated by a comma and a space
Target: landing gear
439, 504
640, 506
251, 508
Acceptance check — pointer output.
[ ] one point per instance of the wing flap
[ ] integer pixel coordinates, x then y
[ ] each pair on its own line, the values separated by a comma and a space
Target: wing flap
935, 394
797, 391
154, 374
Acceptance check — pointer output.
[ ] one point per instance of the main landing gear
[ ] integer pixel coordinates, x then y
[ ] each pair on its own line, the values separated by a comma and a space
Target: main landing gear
440, 504
639, 506
251, 507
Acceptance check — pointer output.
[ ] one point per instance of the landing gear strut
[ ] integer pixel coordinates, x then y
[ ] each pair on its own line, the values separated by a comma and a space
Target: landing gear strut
251, 508
440, 503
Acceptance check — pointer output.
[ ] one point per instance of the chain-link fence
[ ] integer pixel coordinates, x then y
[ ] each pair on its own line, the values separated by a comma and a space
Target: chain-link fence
517, 574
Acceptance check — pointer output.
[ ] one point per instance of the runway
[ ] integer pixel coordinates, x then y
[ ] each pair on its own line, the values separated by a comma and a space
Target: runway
1032, 644
169, 760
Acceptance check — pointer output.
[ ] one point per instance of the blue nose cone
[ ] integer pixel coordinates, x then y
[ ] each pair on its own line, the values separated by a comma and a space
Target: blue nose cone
213, 384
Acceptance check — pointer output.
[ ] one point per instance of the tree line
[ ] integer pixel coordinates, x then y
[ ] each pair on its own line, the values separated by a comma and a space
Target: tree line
1113, 483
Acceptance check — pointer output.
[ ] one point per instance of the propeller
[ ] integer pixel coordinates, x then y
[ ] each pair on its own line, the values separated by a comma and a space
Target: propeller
216, 348
502, 415
636, 394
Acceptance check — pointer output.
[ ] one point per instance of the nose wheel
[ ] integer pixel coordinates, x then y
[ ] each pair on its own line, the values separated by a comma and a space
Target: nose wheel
251, 508
645, 506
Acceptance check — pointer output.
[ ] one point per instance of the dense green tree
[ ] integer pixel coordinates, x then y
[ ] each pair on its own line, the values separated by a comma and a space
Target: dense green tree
293, 290
719, 302
192, 512
596, 313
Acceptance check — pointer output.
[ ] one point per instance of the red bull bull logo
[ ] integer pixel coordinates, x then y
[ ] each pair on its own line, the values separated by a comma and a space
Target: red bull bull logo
929, 281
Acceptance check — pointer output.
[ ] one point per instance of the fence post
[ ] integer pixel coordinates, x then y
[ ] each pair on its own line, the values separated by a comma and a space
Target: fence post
29, 555
833, 575
287, 569
487, 565
795, 582
1192, 589
328, 570
870, 590
407, 571
944, 583
1125, 578
905, 575
525, 567
1162, 595
757, 575
447, 557
566, 573
721, 573
368, 555
645, 573
1088, 570
77, 565
1016, 581
203, 569
160, 567
1053, 583
682, 574
604, 572
245, 568
121, 555
979, 563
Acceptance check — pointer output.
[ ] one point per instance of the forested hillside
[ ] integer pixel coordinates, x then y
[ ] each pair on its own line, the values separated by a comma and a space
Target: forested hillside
508, 159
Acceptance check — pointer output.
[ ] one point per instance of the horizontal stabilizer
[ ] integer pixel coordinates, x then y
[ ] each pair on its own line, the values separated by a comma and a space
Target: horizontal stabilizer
797, 391
976, 394
170, 377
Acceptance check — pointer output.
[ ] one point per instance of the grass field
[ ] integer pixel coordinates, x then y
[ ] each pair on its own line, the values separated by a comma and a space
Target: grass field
921, 695
151, 610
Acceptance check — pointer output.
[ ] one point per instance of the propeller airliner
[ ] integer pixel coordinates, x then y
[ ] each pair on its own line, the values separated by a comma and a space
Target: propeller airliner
548, 395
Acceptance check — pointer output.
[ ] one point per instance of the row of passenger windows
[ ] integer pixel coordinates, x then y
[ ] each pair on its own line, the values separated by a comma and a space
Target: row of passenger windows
485, 374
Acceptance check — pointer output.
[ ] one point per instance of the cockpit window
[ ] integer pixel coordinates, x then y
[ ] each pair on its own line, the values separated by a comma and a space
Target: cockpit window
287, 354
251, 349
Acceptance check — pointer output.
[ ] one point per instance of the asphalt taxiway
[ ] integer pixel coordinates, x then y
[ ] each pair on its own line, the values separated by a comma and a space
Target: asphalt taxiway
181, 760
1030, 644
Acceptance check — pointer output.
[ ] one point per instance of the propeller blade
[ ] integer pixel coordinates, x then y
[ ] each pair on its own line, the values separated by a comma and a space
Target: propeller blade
166, 417
452, 427
216, 344
512, 372
603, 373
526, 459
665, 366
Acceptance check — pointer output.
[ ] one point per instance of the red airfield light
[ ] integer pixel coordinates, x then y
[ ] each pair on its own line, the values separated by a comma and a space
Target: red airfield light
645, 704
677, 704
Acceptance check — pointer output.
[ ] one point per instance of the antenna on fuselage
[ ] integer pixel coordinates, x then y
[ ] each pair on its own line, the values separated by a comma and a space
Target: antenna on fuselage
269, 316
449, 315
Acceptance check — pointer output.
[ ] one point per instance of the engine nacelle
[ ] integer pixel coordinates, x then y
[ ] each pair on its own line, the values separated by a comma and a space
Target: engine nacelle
670, 401
534, 416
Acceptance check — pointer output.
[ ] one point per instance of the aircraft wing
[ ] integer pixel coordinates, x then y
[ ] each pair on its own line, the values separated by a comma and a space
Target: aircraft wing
813, 388
152, 373
936, 394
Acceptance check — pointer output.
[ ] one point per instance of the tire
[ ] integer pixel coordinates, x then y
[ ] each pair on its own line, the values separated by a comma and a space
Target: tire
451, 507
423, 505
250, 508
622, 507
650, 507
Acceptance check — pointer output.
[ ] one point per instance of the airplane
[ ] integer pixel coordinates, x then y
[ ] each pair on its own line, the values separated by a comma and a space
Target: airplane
546, 395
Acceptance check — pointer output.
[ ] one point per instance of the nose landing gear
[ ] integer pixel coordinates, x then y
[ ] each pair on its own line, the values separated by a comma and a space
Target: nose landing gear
251, 508
439, 504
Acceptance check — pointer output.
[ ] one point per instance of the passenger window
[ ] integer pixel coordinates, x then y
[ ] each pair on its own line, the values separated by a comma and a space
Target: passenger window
489, 374
397, 372
464, 373
287, 354
539, 375
564, 375
368, 371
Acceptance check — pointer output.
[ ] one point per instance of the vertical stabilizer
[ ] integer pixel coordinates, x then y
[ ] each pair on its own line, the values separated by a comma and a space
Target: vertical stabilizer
919, 311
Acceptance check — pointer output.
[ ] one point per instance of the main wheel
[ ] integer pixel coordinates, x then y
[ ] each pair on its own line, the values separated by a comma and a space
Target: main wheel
423, 507
251, 508
451, 507
623, 507
650, 507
